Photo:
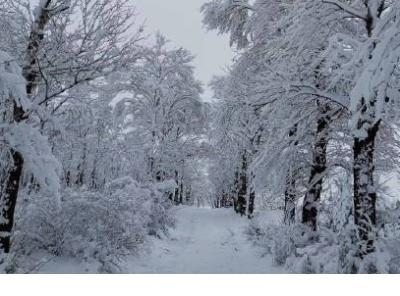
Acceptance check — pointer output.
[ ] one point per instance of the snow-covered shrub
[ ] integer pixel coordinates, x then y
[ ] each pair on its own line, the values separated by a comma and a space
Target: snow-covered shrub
93, 225
147, 203
278, 240
328, 251
387, 255
301, 251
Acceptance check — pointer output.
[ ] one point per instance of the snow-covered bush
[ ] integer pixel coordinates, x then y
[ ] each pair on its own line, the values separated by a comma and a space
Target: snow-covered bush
302, 251
93, 225
328, 251
278, 240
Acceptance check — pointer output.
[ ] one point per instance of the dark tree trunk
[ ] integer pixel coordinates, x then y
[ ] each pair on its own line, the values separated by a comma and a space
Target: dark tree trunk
290, 191
188, 195
9, 200
290, 200
318, 169
364, 190
181, 192
235, 191
176, 193
235, 206
243, 187
252, 197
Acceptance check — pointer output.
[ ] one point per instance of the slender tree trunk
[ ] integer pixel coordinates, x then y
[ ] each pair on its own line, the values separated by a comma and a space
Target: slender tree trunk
176, 193
252, 197
181, 192
235, 192
188, 195
290, 200
243, 187
82, 166
318, 169
364, 190
290, 191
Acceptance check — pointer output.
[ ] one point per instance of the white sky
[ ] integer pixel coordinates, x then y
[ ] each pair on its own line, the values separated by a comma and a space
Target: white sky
180, 22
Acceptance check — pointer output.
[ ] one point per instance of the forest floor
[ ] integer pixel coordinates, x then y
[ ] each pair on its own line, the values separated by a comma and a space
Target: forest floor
205, 241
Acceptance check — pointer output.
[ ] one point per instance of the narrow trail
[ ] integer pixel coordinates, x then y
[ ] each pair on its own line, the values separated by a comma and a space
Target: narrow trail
204, 241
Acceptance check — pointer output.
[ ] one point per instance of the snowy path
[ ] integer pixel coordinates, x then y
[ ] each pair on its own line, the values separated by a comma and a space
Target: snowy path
204, 241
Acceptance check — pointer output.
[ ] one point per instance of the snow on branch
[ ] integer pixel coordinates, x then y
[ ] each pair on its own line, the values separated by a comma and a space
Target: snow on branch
312, 91
348, 9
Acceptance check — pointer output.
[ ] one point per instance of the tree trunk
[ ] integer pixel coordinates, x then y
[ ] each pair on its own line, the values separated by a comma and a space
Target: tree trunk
9, 201
290, 191
176, 193
252, 197
181, 192
290, 200
318, 169
235, 192
189, 195
243, 185
364, 190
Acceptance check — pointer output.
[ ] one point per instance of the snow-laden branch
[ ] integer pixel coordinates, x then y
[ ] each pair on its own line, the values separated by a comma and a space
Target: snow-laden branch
358, 13
312, 91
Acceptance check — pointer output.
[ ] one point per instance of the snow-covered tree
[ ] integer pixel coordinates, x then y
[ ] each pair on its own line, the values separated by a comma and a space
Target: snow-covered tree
162, 116
56, 53
308, 67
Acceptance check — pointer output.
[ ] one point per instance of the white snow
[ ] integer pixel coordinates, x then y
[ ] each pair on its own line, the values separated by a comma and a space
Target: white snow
205, 241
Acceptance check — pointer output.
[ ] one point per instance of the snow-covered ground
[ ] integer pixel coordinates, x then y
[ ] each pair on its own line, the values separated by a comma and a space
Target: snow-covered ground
204, 241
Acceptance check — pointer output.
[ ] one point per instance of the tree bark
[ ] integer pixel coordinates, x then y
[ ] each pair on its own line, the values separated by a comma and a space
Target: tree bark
188, 195
9, 200
235, 192
290, 200
318, 169
243, 187
252, 197
290, 191
364, 190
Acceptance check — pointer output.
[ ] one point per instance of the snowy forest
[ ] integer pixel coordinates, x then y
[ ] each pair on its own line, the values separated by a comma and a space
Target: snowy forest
113, 161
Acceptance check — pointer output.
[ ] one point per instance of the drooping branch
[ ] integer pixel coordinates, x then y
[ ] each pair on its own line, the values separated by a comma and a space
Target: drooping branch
348, 9
313, 92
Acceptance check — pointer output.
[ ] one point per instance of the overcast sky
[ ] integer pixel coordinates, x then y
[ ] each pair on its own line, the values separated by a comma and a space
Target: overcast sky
180, 21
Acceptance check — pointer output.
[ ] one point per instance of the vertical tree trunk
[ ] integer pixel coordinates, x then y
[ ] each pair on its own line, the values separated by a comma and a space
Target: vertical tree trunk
290, 191
290, 200
189, 195
252, 197
80, 179
181, 192
364, 190
318, 169
176, 193
235, 192
9, 201
243, 187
